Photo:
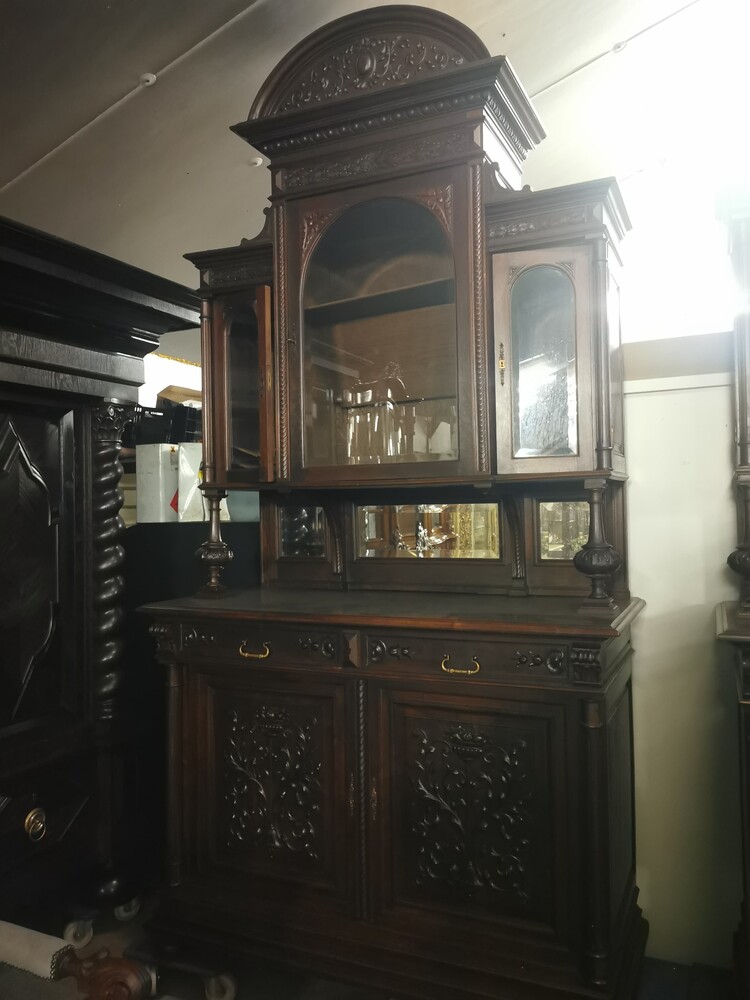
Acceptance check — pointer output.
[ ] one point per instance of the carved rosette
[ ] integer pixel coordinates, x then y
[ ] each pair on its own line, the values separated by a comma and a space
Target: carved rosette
107, 423
273, 787
369, 64
471, 825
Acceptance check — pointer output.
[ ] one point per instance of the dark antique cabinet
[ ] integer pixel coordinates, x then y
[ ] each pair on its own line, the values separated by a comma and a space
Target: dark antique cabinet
74, 327
406, 759
733, 619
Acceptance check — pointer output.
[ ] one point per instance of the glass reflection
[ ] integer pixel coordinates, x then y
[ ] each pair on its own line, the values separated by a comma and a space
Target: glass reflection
542, 317
243, 387
563, 528
429, 531
302, 532
380, 357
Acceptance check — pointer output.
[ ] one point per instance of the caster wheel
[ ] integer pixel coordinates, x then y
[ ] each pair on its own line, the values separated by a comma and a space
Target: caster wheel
222, 987
79, 933
128, 910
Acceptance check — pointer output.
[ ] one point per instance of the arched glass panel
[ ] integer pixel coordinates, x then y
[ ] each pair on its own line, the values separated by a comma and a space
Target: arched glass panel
379, 339
543, 350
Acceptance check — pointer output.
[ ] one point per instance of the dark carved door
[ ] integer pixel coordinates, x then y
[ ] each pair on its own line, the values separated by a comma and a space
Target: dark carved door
466, 795
272, 806
39, 683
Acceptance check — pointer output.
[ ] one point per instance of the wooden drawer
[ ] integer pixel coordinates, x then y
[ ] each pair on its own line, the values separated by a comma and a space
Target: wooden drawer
255, 642
480, 657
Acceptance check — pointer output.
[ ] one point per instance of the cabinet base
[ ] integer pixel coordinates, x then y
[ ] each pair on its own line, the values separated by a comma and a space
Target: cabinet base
401, 976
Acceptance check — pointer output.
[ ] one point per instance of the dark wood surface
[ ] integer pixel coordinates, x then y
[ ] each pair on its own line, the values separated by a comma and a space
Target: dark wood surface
74, 327
447, 612
426, 792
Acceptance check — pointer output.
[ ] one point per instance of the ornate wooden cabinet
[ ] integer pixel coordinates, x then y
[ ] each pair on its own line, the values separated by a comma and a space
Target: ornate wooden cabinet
406, 759
733, 619
74, 326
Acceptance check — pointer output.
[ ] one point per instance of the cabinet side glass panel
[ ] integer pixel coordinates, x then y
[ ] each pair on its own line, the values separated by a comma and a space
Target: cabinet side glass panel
243, 386
302, 531
428, 531
563, 528
543, 351
380, 354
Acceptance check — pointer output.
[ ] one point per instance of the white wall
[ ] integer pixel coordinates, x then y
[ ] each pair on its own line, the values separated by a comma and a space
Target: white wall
681, 529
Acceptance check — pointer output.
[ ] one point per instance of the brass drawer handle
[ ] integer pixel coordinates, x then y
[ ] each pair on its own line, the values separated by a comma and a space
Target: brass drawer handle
458, 670
35, 825
254, 656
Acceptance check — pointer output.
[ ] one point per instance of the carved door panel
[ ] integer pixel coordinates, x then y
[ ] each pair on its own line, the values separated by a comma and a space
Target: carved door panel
467, 798
39, 670
272, 809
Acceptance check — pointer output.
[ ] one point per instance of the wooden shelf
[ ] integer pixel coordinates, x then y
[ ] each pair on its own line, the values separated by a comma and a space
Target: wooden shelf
429, 293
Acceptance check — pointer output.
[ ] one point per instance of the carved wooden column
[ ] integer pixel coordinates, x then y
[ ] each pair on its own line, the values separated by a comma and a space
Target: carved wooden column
108, 556
108, 421
597, 560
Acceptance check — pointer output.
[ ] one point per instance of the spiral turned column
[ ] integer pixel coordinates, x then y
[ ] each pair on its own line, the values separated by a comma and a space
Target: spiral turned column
108, 421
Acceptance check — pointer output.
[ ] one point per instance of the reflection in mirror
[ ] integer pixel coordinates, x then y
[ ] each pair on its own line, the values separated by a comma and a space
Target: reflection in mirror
380, 356
429, 531
243, 388
302, 532
543, 339
563, 528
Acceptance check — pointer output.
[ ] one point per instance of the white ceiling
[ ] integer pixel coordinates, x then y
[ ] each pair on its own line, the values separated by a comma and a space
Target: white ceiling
148, 173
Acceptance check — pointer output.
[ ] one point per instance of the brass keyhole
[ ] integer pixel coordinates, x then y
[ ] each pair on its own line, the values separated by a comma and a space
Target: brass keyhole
35, 825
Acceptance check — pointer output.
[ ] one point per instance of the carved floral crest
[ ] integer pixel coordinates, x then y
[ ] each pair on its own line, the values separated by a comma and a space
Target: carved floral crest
367, 64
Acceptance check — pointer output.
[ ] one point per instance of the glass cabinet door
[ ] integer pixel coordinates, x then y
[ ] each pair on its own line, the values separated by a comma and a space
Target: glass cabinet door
543, 361
243, 399
379, 344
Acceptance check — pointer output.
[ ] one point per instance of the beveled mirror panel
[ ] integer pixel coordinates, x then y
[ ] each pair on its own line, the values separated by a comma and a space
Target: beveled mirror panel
563, 528
379, 339
302, 531
543, 351
428, 531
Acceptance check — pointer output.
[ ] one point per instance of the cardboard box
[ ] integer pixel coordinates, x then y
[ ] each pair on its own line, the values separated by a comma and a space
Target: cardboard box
156, 482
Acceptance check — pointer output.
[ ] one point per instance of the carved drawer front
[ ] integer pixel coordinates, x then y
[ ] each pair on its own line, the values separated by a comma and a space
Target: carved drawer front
36, 814
480, 658
255, 643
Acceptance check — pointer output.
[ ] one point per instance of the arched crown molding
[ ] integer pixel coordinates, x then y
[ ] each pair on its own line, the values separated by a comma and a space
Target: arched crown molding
371, 50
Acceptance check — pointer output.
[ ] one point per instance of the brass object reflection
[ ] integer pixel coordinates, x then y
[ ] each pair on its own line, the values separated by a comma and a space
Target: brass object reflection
501, 363
254, 656
35, 825
459, 670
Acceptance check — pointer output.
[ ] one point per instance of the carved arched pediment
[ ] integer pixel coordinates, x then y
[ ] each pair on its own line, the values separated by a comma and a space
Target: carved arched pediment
373, 49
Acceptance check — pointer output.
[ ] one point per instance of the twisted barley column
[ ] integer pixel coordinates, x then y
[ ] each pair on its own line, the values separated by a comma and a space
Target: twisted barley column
108, 421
